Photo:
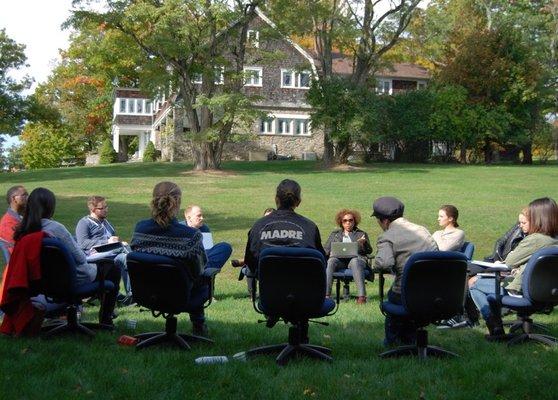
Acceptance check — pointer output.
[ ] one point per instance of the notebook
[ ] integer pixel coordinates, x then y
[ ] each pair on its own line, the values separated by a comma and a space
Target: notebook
344, 249
103, 248
207, 240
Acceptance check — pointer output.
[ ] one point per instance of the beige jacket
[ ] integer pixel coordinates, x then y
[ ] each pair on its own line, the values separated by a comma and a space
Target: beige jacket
519, 257
449, 241
397, 244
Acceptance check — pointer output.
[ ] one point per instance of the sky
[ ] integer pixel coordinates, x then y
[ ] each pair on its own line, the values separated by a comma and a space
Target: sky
37, 25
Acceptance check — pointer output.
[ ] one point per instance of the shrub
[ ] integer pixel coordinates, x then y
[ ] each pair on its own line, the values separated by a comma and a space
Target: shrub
107, 155
149, 154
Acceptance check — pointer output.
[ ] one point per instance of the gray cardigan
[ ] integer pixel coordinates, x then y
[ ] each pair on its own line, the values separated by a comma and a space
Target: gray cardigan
86, 273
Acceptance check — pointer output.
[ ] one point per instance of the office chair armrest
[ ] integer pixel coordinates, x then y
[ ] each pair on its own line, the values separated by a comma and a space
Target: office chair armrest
209, 273
337, 297
208, 276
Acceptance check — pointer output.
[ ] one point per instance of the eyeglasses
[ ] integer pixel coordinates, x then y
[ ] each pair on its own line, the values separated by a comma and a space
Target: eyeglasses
101, 208
22, 195
347, 220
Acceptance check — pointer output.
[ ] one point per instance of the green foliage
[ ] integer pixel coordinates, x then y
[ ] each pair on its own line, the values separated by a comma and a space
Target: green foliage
133, 145
13, 105
150, 153
107, 154
81, 86
544, 140
47, 146
14, 158
185, 39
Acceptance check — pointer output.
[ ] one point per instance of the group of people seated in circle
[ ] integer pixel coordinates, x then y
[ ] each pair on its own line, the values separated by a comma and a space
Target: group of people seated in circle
163, 234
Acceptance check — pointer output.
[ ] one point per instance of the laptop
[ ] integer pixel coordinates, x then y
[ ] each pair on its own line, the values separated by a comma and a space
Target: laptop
344, 249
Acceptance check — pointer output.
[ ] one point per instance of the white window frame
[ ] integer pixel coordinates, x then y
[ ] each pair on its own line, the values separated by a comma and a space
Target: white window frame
384, 86
286, 123
197, 78
249, 76
140, 109
123, 106
221, 76
131, 106
298, 122
291, 123
296, 79
255, 40
267, 125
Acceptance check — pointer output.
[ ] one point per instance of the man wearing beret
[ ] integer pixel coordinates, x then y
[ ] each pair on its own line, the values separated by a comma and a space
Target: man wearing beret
399, 241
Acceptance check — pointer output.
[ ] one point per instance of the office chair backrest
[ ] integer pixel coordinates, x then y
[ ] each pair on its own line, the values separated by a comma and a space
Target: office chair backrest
468, 249
58, 270
433, 284
539, 282
159, 283
292, 281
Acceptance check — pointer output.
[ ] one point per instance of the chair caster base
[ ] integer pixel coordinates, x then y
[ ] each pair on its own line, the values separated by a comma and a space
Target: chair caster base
419, 351
182, 340
288, 351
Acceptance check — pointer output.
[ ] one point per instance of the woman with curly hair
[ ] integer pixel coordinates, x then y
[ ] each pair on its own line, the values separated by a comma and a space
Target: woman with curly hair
348, 231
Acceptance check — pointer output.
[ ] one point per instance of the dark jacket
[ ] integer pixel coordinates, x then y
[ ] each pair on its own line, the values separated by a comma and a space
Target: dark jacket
506, 243
337, 236
281, 228
175, 241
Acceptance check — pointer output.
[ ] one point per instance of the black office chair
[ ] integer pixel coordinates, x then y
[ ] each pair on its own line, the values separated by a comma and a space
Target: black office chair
292, 286
539, 286
59, 285
165, 287
432, 289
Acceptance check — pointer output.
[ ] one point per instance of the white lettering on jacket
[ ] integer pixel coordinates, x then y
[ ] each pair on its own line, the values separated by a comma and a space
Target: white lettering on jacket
281, 234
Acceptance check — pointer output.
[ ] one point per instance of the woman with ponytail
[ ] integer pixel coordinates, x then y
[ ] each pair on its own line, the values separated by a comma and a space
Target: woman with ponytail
163, 235
283, 227
38, 217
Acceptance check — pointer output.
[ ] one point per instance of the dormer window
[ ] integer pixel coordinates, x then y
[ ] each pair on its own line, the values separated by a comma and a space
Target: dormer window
293, 79
253, 38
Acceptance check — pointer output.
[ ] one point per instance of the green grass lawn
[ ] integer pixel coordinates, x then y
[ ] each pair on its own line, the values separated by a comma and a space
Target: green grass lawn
488, 198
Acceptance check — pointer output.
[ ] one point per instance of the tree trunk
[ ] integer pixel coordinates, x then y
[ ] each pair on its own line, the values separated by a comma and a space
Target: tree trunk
487, 152
527, 151
328, 157
463, 154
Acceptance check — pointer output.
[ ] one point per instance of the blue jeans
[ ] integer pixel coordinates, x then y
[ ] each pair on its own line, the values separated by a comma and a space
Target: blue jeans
120, 262
480, 291
218, 255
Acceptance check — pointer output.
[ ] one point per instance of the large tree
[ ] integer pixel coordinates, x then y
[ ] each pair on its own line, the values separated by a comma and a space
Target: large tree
81, 85
13, 105
363, 30
182, 40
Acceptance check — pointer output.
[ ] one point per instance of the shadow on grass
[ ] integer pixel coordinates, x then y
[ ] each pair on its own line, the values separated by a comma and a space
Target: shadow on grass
184, 170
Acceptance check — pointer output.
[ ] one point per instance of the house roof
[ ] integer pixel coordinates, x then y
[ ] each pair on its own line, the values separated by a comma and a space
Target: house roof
343, 65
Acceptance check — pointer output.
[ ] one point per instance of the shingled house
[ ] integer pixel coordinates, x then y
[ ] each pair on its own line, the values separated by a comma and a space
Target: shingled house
281, 87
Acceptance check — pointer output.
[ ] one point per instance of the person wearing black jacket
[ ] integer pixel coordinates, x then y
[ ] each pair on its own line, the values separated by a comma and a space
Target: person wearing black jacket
348, 231
511, 238
283, 227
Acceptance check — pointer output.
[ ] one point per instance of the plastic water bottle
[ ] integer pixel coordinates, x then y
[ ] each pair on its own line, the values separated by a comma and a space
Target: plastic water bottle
240, 356
131, 324
212, 360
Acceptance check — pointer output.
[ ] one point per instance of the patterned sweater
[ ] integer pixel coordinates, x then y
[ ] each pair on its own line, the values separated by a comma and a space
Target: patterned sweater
176, 241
